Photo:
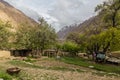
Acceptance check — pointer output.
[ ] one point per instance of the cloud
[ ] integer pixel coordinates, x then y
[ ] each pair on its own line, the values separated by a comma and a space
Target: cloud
59, 13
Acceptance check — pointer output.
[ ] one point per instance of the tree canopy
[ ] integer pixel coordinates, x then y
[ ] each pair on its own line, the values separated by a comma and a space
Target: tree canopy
104, 36
37, 37
5, 34
110, 12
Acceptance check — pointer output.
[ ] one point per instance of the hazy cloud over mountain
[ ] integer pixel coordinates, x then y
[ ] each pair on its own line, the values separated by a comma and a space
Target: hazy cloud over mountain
59, 13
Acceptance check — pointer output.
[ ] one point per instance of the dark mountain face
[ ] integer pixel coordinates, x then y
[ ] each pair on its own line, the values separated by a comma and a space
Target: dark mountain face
13, 15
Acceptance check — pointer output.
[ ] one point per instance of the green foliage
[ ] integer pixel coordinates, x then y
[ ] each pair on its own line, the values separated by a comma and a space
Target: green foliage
110, 37
44, 36
70, 47
76, 37
109, 11
113, 36
58, 46
107, 39
5, 76
38, 37
79, 39
23, 37
5, 35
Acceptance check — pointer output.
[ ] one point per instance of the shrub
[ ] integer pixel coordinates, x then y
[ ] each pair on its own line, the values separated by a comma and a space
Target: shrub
71, 47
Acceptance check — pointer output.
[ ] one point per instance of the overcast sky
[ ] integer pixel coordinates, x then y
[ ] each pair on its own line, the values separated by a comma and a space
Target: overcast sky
59, 13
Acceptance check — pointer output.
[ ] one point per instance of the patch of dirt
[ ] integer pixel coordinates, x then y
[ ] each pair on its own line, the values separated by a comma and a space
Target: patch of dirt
5, 54
64, 75
53, 63
44, 74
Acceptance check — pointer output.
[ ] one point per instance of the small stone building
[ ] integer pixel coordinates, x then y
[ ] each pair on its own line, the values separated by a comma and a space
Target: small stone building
20, 53
50, 53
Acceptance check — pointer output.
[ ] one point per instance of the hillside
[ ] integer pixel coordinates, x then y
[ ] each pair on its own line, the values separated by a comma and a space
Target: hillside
13, 15
80, 28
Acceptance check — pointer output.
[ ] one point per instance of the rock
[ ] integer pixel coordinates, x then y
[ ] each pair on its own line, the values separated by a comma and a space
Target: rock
1, 79
91, 67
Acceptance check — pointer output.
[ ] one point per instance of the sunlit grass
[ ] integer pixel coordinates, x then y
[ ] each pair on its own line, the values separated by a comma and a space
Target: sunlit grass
5, 76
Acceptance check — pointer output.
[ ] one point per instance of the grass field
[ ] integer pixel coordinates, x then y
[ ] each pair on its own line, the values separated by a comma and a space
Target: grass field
86, 63
52, 69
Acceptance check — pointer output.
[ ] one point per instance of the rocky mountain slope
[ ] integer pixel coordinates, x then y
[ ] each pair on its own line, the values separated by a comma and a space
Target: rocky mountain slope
89, 24
13, 15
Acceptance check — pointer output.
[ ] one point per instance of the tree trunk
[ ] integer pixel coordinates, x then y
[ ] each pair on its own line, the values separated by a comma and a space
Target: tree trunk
113, 19
106, 47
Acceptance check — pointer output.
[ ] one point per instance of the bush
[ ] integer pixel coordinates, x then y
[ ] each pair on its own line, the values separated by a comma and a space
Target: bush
70, 47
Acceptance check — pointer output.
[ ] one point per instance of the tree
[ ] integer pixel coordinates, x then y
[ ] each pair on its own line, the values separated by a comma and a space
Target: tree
109, 38
71, 47
79, 39
109, 11
5, 35
23, 37
37, 38
110, 15
58, 46
44, 36
75, 37
103, 41
93, 44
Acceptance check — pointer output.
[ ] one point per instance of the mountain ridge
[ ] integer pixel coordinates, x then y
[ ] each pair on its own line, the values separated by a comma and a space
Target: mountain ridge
14, 16
80, 28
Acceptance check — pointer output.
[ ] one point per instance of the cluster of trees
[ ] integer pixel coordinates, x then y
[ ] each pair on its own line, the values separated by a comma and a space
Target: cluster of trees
105, 36
109, 37
37, 38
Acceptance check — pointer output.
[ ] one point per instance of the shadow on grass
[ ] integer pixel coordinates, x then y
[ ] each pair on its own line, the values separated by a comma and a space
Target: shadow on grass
30, 65
87, 63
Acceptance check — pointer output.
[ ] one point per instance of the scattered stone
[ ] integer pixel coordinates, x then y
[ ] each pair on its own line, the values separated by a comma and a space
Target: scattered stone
1, 79
58, 57
91, 67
